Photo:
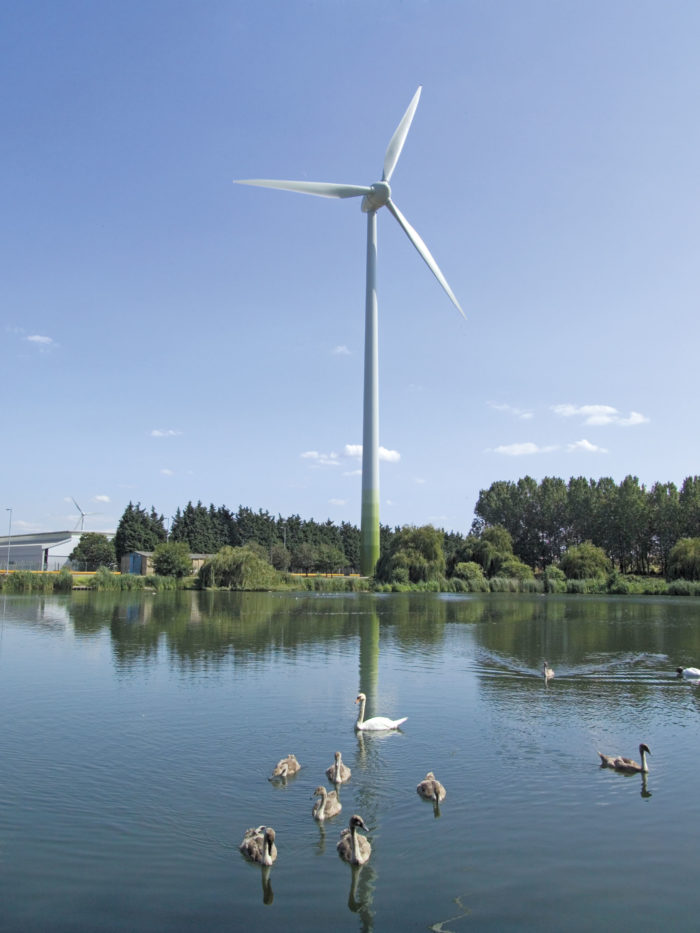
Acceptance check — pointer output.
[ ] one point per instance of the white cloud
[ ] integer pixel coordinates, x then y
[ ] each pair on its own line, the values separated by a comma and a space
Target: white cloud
634, 417
523, 450
598, 415
42, 343
167, 472
586, 446
418, 480
340, 350
388, 456
320, 459
338, 501
520, 413
352, 473
101, 499
164, 432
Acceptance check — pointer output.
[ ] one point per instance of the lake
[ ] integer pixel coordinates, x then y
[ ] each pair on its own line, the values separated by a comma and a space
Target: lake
139, 731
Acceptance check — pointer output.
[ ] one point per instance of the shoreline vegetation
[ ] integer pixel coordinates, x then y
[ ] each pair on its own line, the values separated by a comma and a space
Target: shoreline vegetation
103, 580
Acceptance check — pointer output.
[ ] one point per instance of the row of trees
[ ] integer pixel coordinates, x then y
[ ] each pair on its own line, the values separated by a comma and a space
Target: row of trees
292, 543
636, 527
518, 526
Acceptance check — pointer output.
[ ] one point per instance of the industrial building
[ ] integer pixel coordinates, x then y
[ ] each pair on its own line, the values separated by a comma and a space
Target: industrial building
45, 550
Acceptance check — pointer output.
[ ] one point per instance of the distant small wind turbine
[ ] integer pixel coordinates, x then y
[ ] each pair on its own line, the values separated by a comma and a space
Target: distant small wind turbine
83, 515
373, 198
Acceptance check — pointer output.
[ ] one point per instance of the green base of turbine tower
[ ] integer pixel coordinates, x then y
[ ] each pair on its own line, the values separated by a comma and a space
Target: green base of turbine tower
369, 537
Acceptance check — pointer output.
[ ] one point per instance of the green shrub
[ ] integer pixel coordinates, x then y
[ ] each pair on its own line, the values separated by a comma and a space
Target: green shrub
585, 561
472, 575
239, 568
554, 579
683, 588
684, 560
63, 583
515, 569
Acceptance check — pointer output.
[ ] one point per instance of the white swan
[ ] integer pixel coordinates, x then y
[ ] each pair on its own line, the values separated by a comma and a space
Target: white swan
328, 804
377, 723
351, 847
285, 767
431, 789
259, 845
338, 772
547, 672
626, 764
690, 673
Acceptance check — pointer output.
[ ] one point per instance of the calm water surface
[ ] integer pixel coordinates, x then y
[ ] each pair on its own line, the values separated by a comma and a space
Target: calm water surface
138, 733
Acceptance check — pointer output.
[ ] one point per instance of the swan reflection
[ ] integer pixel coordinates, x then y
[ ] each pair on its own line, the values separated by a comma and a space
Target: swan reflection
268, 893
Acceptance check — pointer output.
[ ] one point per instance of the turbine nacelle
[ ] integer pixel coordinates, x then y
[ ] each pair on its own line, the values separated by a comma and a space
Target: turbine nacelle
380, 192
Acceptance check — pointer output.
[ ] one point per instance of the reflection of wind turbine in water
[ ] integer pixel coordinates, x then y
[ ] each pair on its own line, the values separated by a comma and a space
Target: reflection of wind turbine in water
373, 197
369, 663
363, 877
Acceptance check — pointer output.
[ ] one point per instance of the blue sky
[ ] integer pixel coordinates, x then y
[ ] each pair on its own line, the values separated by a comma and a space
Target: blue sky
169, 336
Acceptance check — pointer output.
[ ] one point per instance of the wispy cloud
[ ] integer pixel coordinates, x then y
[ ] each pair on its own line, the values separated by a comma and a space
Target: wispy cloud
167, 472
388, 456
520, 413
340, 350
338, 501
320, 459
586, 447
526, 449
42, 343
598, 415
351, 452
101, 498
165, 432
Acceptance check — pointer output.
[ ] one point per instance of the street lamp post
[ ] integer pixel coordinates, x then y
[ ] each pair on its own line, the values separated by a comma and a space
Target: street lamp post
9, 540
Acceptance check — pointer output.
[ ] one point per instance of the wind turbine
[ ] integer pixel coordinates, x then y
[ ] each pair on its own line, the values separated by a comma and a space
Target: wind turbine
83, 515
373, 197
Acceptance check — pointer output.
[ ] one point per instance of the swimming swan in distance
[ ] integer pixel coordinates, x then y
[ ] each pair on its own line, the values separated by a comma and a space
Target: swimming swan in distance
690, 673
376, 723
431, 789
547, 673
328, 804
285, 768
259, 845
338, 772
351, 847
626, 764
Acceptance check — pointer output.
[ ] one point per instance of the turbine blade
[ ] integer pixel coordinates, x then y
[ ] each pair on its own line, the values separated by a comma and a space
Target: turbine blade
322, 189
393, 150
425, 253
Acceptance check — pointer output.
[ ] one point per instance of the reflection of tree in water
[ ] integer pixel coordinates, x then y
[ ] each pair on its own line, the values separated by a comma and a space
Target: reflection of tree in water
590, 636
202, 630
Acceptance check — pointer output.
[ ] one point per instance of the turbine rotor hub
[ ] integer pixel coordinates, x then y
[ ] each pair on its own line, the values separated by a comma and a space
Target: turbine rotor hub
381, 192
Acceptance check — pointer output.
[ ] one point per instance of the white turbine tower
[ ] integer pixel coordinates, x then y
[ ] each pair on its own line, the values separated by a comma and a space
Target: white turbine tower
373, 198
